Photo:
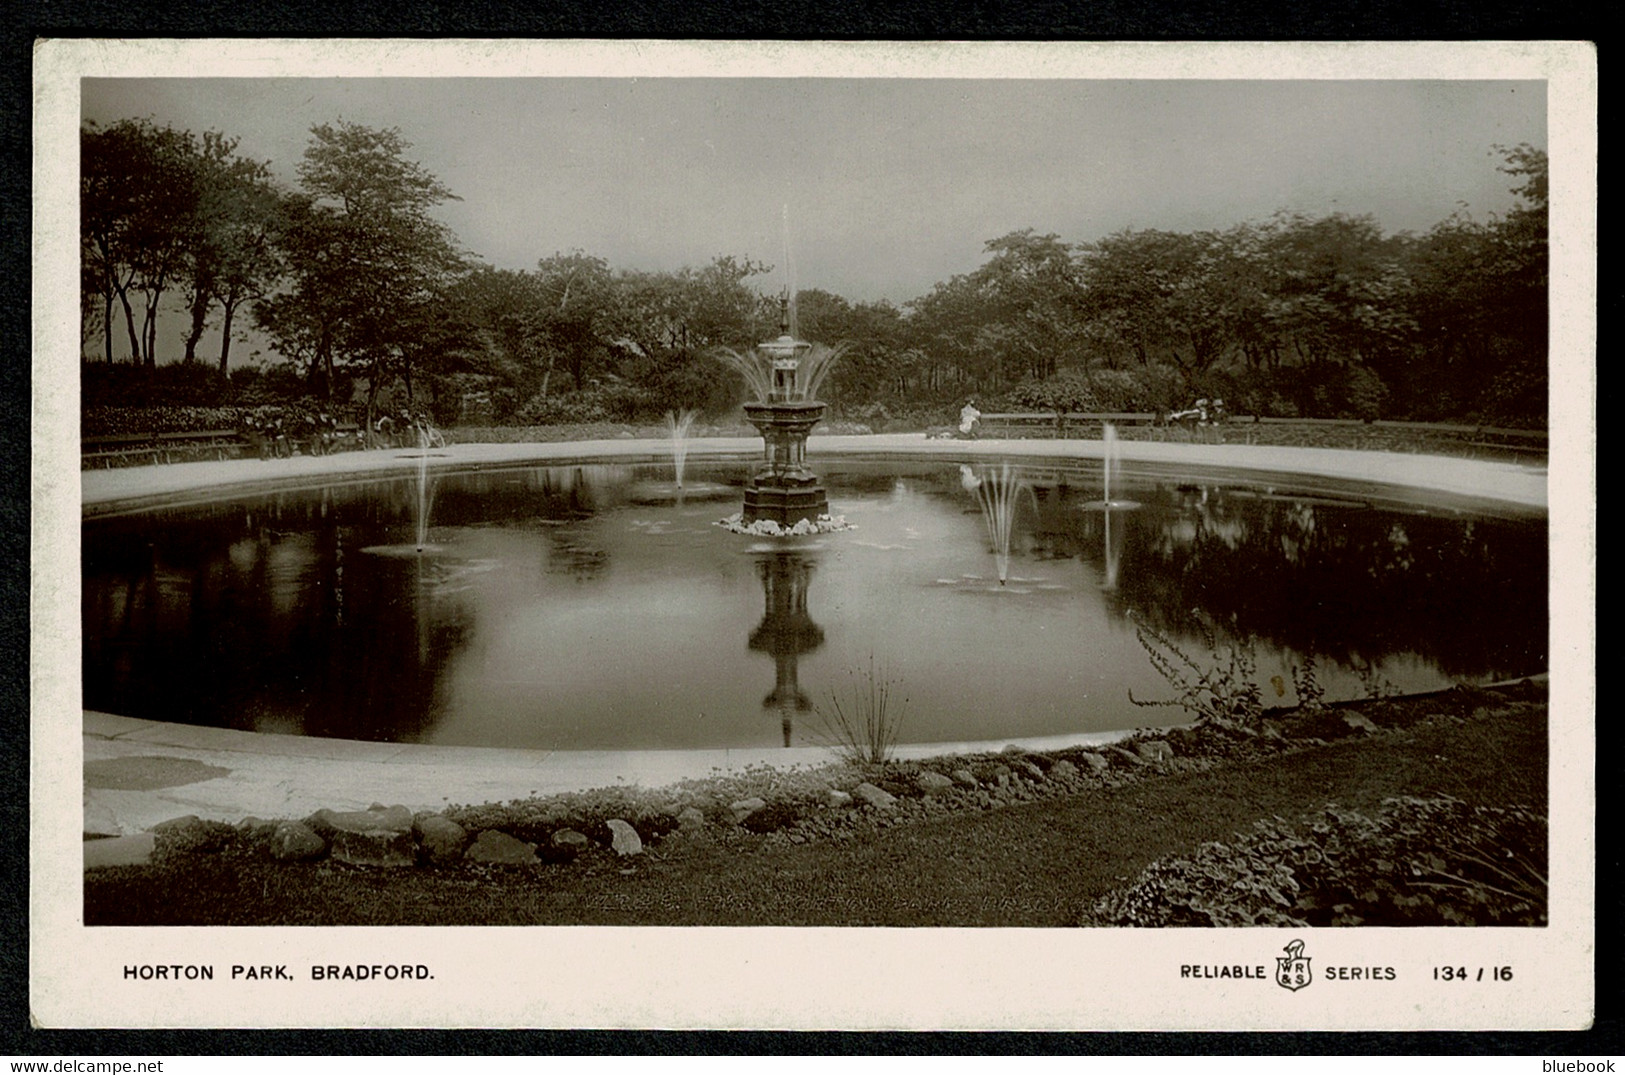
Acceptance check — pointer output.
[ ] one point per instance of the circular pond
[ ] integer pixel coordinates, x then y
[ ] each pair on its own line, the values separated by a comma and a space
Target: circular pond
602, 608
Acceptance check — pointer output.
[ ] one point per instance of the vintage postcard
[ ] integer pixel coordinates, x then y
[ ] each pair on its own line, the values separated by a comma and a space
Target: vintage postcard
813, 535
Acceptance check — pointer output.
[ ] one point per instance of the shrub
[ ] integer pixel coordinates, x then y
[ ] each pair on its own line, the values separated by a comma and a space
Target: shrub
1418, 862
1067, 392
1363, 394
600, 403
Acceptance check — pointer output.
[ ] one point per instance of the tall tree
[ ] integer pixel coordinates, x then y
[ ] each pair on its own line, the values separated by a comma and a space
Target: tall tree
576, 291
229, 258
367, 260
137, 197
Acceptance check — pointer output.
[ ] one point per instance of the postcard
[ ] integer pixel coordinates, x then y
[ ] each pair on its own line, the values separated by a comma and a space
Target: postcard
861, 535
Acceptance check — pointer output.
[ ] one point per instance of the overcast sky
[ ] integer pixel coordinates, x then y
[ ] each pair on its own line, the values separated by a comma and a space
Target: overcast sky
888, 185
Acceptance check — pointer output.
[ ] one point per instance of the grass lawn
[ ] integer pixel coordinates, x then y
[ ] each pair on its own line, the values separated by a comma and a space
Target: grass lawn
1029, 864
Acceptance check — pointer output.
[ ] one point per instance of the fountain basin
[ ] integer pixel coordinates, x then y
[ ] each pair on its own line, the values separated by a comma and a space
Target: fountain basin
606, 633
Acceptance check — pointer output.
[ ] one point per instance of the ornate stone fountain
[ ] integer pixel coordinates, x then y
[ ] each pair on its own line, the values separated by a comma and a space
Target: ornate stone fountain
784, 491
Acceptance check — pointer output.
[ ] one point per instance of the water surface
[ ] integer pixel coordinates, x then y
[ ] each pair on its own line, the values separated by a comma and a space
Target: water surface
591, 607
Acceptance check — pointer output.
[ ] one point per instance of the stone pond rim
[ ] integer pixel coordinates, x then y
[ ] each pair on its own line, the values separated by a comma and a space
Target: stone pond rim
1432, 479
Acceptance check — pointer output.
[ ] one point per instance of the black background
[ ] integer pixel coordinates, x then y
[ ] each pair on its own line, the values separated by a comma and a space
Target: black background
1105, 20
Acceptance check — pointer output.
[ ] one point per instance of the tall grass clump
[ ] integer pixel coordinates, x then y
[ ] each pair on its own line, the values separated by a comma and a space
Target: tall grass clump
862, 727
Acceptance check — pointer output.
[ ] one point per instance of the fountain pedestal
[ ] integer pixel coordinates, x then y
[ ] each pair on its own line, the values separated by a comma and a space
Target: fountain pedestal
783, 489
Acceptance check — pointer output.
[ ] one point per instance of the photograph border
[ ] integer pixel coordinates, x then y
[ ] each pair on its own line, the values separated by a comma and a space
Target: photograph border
759, 996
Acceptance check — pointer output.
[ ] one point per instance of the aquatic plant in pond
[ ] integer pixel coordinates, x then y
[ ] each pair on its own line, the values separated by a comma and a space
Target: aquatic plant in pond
864, 727
1226, 692
677, 426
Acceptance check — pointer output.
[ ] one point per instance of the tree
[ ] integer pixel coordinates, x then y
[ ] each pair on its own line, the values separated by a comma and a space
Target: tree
577, 296
137, 196
670, 321
1033, 290
229, 258
367, 261
1479, 299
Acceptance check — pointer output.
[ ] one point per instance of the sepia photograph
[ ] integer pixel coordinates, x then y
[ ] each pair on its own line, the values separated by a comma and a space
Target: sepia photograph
829, 536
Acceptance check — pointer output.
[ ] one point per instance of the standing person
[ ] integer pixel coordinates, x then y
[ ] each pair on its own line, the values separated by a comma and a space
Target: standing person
969, 418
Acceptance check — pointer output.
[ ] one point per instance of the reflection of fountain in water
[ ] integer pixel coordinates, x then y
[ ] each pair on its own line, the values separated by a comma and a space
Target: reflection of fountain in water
678, 426
425, 495
1114, 550
996, 493
787, 631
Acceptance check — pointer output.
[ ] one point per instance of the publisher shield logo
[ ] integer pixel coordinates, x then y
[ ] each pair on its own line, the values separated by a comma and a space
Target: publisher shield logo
1292, 970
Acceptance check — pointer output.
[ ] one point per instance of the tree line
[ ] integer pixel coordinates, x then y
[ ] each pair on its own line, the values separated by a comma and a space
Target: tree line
360, 291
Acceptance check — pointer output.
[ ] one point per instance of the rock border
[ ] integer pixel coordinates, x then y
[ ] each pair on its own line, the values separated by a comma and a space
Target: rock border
764, 806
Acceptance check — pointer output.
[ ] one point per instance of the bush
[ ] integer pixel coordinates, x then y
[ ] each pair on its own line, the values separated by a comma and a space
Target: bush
1419, 862
1066, 392
1363, 394
179, 384
601, 403
1155, 389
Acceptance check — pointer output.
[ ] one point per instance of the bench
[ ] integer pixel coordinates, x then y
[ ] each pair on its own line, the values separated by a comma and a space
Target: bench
161, 447
210, 444
1058, 421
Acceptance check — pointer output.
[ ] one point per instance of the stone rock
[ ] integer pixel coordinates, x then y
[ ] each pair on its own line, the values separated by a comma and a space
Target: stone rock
624, 839
966, 777
1132, 757
1359, 722
1187, 739
746, 807
1155, 750
999, 774
691, 820
184, 835
1013, 749
499, 849
256, 826
120, 851
1063, 770
869, 795
375, 817
294, 841
1096, 762
838, 798
570, 840
378, 836
933, 783
442, 838
1029, 770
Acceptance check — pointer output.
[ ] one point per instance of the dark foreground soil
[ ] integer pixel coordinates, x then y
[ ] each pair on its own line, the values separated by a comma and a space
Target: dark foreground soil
1037, 864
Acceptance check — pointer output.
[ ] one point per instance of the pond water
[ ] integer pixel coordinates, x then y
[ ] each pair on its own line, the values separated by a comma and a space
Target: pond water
592, 607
